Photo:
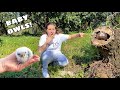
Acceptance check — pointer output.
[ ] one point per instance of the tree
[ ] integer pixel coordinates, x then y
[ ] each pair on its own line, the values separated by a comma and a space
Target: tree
5, 16
68, 21
107, 40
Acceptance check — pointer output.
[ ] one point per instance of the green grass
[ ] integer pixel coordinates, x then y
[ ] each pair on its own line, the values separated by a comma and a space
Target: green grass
79, 52
10, 44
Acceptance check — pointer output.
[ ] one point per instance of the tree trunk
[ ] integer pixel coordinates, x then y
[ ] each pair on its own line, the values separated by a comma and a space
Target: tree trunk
3, 29
107, 41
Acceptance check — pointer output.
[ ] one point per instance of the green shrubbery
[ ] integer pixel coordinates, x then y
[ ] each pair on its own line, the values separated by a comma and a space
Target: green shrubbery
68, 21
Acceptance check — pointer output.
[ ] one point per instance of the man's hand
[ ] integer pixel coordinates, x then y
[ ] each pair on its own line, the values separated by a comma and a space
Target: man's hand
10, 63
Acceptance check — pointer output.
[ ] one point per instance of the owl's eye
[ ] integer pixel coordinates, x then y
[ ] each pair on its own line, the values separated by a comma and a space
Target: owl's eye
18, 54
26, 52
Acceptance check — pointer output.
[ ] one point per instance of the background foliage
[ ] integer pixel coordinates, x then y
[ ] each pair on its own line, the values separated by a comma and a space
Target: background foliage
67, 21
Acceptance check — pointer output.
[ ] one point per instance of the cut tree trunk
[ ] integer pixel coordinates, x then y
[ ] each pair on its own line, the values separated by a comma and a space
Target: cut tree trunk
107, 41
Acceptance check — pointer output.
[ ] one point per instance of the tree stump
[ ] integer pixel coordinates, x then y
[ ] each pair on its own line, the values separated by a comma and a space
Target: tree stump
107, 40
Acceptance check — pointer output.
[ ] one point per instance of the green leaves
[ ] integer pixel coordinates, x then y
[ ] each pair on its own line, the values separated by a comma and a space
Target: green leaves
68, 21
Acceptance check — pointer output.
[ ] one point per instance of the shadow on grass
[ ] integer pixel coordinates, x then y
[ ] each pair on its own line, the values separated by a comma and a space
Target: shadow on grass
90, 53
29, 34
54, 67
1, 42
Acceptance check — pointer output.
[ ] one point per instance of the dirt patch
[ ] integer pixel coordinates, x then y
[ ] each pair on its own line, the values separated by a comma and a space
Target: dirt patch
70, 70
98, 69
64, 73
72, 67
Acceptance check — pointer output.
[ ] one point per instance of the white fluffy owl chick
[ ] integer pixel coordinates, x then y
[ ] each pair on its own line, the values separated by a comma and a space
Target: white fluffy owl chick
23, 54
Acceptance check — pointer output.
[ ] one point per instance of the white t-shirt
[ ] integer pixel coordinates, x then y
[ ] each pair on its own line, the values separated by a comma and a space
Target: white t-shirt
55, 43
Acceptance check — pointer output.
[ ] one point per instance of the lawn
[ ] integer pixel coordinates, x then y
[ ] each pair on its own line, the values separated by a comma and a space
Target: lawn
79, 51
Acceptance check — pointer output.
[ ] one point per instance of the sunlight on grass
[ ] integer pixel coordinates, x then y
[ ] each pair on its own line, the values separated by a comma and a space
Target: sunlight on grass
78, 51
10, 44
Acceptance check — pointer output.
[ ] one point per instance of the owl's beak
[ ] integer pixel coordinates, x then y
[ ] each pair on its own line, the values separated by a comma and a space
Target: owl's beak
22, 54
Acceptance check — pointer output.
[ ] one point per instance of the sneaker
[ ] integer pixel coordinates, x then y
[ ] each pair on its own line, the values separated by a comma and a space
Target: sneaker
45, 73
